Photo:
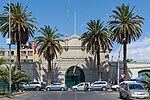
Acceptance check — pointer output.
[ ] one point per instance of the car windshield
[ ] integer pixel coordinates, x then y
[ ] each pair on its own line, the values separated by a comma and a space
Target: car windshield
136, 87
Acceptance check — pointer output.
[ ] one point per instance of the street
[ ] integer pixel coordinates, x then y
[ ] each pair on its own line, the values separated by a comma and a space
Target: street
66, 95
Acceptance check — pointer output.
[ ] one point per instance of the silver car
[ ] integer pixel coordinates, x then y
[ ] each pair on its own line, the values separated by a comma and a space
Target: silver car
32, 85
133, 91
100, 85
56, 86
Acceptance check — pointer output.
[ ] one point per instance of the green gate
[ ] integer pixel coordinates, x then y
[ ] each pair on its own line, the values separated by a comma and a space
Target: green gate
4, 88
74, 75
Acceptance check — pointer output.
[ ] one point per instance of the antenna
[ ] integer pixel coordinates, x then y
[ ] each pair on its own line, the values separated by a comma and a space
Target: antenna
74, 22
68, 17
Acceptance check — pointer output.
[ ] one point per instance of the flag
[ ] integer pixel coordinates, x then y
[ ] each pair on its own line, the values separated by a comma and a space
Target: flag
34, 46
24, 53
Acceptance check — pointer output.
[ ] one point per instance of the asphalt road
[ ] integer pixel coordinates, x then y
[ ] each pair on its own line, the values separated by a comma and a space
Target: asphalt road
66, 95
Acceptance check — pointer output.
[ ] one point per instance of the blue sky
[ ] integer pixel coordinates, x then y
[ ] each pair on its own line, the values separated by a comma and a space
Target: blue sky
60, 13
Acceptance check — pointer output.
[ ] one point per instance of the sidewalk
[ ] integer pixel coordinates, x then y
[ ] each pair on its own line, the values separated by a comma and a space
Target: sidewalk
2, 97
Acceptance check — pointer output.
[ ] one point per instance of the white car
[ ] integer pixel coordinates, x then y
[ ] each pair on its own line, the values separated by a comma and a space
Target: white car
84, 86
115, 87
133, 90
56, 86
32, 85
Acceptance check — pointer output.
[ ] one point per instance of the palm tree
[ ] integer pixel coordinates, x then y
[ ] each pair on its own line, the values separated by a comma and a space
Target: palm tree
126, 27
96, 38
3, 61
49, 46
17, 76
21, 25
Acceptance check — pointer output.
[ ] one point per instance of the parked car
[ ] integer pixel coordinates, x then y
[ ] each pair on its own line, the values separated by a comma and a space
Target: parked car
56, 86
84, 86
33, 85
115, 87
100, 85
133, 90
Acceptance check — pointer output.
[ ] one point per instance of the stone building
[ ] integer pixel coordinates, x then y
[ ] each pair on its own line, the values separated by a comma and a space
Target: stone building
74, 65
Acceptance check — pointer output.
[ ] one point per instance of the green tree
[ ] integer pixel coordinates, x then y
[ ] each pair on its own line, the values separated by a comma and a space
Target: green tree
97, 38
17, 76
126, 28
21, 23
147, 81
3, 61
49, 46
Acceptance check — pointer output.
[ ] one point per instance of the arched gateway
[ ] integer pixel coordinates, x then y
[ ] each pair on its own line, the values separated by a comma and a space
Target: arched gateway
74, 75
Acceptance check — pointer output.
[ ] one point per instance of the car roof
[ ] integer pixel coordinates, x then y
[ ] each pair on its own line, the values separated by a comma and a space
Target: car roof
100, 81
128, 82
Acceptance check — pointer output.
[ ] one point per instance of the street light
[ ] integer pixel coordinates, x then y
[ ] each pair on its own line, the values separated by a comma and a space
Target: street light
9, 43
66, 43
118, 65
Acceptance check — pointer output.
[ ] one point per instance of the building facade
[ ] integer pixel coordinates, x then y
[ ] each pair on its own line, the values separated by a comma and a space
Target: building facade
73, 66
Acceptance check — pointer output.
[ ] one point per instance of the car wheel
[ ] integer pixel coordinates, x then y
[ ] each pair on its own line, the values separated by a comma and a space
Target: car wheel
89, 89
120, 95
22, 88
48, 89
117, 89
104, 89
127, 97
75, 89
37, 88
62, 89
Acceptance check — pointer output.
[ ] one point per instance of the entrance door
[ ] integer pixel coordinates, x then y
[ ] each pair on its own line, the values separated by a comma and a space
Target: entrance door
74, 75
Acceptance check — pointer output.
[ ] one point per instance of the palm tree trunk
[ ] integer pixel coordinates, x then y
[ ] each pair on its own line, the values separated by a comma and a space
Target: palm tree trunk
99, 65
18, 55
125, 60
49, 72
18, 49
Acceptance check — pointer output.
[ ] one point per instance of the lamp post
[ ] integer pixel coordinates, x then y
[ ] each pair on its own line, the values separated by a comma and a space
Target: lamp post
9, 43
66, 42
118, 68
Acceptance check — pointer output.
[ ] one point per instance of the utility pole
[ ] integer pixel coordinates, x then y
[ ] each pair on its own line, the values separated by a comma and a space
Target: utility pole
9, 43
118, 68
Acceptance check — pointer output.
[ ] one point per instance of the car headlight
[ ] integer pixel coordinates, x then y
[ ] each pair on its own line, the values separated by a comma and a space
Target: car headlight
146, 93
133, 93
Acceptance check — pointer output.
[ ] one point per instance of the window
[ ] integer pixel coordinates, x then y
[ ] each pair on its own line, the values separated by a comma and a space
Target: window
30, 60
23, 53
12, 53
24, 60
80, 84
34, 83
135, 87
2, 53
30, 53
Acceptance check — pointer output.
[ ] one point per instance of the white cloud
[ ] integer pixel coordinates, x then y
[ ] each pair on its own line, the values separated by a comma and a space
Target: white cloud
138, 51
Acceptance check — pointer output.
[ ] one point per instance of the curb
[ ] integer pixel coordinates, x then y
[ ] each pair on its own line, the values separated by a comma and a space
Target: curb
14, 94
